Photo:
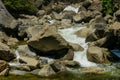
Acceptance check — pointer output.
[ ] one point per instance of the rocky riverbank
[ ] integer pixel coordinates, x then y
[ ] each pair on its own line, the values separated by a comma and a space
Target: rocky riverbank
53, 40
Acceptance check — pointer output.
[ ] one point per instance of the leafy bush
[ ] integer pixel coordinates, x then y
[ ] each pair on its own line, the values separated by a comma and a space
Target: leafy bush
20, 6
108, 6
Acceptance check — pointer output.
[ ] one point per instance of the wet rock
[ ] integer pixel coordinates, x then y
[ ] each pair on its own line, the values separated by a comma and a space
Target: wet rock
57, 66
68, 56
66, 23
76, 47
25, 51
83, 32
93, 70
99, 42
98, 55
91, 37
6, 19
5, 53
49, 42
70, 63
46, 71
77, 18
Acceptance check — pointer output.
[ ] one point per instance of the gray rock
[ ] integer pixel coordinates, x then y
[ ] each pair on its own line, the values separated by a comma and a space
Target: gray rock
12, 41
93, 70
46, 71
70, 63
66, 23
31, 62
6, 19
57, 16
5, 72
49, 42
40, 13
84, 32
24, 24
5, 53
98, 55
25, 51
96, 5
3, 65
18, 72
31, 31
76, 47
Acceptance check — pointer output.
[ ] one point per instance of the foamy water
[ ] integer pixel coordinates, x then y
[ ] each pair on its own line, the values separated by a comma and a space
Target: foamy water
79, 56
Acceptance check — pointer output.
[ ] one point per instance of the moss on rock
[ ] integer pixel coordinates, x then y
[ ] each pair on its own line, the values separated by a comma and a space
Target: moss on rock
16, 7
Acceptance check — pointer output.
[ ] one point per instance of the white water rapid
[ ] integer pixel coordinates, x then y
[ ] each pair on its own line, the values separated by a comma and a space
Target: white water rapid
79, 56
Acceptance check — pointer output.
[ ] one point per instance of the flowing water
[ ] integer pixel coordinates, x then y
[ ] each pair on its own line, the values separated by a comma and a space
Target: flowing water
72, 74
79, 56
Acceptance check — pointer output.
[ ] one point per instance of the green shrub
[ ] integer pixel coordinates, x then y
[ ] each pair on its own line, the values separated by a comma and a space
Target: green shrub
20, 6
108, 6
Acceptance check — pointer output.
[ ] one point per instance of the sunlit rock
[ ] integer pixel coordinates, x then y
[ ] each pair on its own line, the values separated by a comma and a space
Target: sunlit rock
98, 55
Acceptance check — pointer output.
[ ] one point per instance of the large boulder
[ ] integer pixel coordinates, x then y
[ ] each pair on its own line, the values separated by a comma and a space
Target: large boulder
48, 42
6, 19
97, 54
5, 53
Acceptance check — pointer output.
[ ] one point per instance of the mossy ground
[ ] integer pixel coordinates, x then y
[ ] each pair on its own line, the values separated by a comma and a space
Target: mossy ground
62, 76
